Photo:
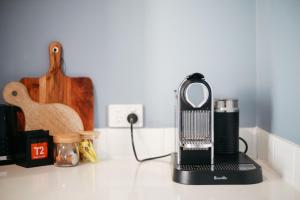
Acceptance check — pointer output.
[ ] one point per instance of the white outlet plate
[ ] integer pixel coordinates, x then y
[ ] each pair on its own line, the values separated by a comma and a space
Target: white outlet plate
117, 115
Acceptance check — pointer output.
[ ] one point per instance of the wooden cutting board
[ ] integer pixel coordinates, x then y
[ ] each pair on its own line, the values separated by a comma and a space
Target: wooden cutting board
55, 117
56, 87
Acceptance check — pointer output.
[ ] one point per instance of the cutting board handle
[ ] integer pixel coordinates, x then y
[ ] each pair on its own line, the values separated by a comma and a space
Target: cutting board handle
55, 55
16, 93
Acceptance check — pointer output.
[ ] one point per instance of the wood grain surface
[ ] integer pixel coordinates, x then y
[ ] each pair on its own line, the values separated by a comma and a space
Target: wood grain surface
56, 87
55, 117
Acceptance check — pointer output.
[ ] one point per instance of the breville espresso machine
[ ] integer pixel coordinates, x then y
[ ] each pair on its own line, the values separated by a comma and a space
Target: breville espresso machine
207, 138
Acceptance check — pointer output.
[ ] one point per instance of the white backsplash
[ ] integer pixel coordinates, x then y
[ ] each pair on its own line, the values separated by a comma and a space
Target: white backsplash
116, 143
282, 155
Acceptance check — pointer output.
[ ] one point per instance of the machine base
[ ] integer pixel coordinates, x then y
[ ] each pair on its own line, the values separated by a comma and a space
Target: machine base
228, 169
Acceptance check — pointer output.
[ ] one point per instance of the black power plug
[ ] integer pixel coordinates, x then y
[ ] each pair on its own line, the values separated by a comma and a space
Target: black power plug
132, 118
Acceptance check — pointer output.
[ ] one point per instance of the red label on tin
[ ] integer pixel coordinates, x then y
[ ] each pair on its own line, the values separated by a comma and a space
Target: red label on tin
39, 150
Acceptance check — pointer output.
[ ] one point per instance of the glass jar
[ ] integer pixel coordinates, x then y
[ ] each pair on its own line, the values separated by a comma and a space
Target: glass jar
66, 150
86, 147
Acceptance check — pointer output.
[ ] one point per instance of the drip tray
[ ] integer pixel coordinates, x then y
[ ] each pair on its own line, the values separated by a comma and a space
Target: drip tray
219, 167
239, 169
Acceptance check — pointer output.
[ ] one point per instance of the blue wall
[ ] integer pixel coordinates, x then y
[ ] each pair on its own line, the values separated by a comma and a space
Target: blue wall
136, 51
278, 67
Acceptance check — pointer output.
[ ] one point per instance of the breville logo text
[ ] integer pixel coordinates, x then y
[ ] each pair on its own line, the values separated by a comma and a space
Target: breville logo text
220, 178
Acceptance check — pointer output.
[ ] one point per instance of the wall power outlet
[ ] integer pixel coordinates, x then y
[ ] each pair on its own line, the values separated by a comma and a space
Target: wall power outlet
117, 115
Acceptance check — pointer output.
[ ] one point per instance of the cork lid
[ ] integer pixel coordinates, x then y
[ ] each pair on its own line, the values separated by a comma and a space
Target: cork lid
66, 138
89, 134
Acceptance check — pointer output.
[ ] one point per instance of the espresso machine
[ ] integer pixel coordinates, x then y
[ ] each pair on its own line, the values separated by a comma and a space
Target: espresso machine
207, 138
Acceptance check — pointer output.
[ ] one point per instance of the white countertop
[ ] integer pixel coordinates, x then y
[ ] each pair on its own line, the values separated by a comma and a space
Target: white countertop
127, 179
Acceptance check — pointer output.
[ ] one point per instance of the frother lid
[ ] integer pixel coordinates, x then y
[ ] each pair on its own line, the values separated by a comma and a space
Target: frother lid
226, 105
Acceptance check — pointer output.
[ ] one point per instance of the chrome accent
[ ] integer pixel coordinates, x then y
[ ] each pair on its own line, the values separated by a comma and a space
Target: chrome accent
205, 92
226, 105
195, 125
